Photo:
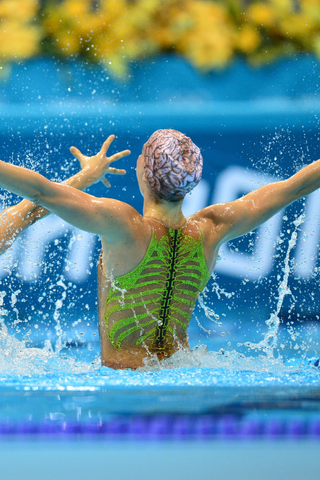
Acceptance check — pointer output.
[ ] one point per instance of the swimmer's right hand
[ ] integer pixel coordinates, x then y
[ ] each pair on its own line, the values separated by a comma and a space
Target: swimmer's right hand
98, 165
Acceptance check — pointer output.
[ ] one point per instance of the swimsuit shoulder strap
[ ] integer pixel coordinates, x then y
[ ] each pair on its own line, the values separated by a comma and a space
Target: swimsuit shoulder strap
129, 279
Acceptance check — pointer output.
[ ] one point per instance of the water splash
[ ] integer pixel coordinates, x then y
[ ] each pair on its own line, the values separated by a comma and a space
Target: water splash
60, 344
218, 290
17, 360
25, 368
270, 341
232, 366
208, 311
3, 312
199, 357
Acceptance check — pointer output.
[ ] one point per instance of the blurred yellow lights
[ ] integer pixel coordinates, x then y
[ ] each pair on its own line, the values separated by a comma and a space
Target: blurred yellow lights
19, 36
18, 10
209, 33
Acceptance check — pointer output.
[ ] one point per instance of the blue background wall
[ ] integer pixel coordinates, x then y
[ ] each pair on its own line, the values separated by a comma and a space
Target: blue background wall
252, 127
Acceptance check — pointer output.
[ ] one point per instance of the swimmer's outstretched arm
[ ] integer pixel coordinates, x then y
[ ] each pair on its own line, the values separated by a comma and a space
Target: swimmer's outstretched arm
245, 214
14, 220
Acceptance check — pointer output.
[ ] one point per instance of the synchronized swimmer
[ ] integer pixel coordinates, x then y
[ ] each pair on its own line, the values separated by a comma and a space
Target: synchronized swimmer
152, 266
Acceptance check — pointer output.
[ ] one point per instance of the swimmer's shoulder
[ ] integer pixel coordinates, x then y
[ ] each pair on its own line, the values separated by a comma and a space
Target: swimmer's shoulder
215, 222
216, 213
123, 223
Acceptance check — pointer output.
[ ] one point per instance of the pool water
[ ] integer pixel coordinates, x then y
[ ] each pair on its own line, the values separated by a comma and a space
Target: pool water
208, 392
233, 382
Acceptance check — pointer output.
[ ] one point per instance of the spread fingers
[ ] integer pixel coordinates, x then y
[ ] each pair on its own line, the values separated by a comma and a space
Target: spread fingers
119, 155
107, 144
106, 182
76, 153
116, 171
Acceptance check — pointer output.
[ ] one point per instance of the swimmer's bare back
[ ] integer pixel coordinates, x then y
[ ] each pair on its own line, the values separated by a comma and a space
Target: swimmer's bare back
157, 304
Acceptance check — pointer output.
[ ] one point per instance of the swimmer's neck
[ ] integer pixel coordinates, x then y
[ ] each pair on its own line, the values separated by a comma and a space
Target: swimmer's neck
169, 214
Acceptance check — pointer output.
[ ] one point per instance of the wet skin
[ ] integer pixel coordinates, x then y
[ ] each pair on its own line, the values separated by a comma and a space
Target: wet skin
125, 234
16, 219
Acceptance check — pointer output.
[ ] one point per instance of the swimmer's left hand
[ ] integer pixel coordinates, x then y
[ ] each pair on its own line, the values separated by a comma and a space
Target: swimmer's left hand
98, 165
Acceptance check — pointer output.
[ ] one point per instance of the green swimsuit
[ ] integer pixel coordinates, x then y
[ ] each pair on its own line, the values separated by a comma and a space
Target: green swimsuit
152, 304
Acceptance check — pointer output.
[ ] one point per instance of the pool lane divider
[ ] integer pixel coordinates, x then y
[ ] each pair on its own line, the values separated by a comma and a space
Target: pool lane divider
168, 427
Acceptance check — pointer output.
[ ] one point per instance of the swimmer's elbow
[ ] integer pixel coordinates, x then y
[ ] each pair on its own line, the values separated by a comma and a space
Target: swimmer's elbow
41, 192
37, 198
